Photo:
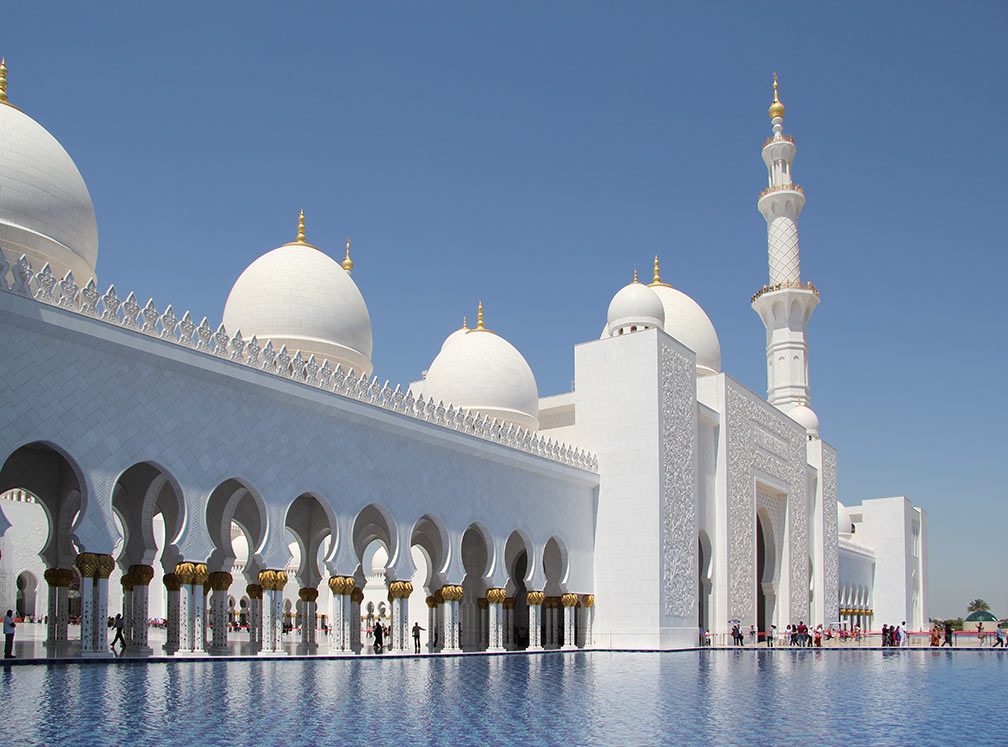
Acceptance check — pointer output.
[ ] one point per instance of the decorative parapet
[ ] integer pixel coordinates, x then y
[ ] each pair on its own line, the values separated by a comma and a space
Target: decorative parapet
783, 286
778, 138
781, 188
44, 287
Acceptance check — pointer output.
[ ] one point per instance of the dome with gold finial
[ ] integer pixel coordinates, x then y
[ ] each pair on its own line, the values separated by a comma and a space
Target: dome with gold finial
479, 370
298, 296
687, 322
45, 208
634, 307
776, 108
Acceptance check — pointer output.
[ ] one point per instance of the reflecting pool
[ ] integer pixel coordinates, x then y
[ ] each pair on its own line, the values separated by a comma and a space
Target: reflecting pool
715, 697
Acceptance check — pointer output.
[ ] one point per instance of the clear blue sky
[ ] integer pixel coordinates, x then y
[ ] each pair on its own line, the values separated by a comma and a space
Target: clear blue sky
533, 154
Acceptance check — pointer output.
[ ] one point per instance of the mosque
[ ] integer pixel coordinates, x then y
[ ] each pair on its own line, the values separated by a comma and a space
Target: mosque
254, 472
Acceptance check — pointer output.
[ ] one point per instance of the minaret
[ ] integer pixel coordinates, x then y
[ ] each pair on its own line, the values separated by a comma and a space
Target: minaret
786, 304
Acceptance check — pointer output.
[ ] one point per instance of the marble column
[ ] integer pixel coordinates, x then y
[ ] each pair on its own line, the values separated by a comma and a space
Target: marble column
495, 619
481, 642
127, 609
452, 595
59, 580
432, 606
255, 595
309, 598
192, 619
356, 597
439, 620
570, 602
220, 582
588, 605
273, 582
508, 625
95, 570
535, 600
173, 614
140, 576
399, 594
336, 620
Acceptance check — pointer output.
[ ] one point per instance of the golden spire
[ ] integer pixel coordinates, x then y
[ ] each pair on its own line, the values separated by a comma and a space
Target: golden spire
3, 79
776, 108
347, 262
657, 275
301, 234
465, 323
635, 275
479, 316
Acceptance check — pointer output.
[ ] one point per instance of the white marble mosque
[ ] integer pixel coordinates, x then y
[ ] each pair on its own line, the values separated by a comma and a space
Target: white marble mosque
255, 471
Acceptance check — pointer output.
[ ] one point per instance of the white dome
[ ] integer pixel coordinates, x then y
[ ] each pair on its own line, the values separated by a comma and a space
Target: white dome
455, 336
300, 297
806, 419
45, 209
481, 371
687, 323
635, 305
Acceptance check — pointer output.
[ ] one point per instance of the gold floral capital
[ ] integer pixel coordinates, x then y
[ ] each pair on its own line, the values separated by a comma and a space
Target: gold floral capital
587, 600
307, 594
220, 580
357, 596
254, 591
200, 573
496, 596
58, 576
87, 564
106, 564
431, 601
184, 572
569, 600
535, 598
141, 575
171, 582
336, 585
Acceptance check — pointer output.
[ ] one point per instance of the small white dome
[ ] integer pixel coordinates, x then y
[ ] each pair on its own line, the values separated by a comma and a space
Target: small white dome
806, 419
635, 306
480, 371
302, 298
45, 207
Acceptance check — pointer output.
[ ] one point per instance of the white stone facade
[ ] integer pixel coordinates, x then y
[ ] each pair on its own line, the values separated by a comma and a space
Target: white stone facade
193, 472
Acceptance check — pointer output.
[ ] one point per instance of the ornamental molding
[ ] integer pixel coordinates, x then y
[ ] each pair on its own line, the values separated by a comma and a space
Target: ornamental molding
678, 481
762, 439
44, 287
830, 497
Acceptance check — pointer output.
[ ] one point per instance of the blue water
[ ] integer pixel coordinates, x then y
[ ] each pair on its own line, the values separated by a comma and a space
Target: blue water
716, 697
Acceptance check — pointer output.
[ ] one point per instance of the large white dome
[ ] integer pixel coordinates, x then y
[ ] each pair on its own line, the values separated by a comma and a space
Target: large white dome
45, 209
481, 371
300, 297
689, 324
635, 306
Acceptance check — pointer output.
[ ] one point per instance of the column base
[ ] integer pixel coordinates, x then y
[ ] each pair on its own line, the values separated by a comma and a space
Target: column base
139, 651
96, 655
535, 648
183, 652
450, 650
307, 649
568, 647
219, 650
56, 646
495, 649
272, 654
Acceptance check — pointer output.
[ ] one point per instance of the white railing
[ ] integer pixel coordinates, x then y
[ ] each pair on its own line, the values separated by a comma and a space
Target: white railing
165, 325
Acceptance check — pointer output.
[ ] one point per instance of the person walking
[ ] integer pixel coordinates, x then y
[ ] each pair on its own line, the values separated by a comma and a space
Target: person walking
8, 629
416, 637
379, 635
998, 638
948, 635
770, 636
904, 636
752, 635
118, 625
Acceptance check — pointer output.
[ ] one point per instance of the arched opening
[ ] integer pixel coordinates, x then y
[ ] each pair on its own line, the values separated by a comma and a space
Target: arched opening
473, 617
516, 556
428, 545
27, 595
236, 520
704, 583
765, 570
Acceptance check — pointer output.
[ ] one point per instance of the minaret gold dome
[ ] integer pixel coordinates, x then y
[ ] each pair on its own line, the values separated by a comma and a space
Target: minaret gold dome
776, 108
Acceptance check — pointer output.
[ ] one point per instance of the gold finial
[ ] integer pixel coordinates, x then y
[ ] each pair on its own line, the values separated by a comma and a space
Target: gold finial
776, 108
479, 316
657, 274
347, 262
635, 275
3, 79
465, 323
301, 233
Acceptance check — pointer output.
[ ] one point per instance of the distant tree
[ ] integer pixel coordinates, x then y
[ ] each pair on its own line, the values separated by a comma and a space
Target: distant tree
977, 605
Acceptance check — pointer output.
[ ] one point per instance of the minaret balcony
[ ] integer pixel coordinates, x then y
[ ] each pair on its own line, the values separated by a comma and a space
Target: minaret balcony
781, 188
785, 286
778, 138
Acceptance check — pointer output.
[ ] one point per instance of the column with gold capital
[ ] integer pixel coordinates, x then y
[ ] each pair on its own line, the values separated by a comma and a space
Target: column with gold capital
535, 600
59, 580
452, 595
588, 615
308, 596
273, 583
173, 619
356, 597
190, 577
399, 594
570, 603
495, 619
94, 570
140, 577
255, 595
220, 582
127, 609
508, 624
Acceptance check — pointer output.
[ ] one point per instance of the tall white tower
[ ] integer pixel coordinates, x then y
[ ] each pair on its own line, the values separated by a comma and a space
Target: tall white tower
786, 303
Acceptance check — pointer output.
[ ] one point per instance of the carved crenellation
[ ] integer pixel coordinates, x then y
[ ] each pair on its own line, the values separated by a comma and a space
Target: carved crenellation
678, 482
44, 287
745, 419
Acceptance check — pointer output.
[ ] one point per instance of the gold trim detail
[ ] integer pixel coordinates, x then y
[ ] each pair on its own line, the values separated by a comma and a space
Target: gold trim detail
347, 262
776, 108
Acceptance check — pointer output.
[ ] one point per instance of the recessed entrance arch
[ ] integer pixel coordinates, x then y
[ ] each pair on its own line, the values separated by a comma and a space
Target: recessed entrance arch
766, 566
704, 582
517, 551
27, 595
